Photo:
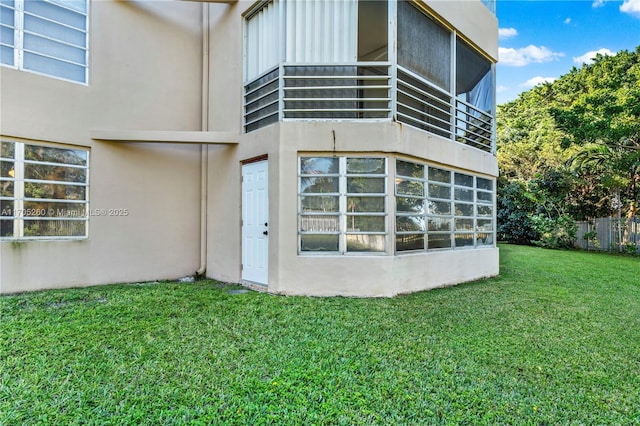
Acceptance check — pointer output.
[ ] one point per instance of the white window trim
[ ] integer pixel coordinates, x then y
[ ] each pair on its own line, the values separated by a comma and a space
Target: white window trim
342, 213
452, 216
19, 195
18, 46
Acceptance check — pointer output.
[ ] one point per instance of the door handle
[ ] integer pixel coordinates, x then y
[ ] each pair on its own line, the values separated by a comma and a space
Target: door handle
265, 233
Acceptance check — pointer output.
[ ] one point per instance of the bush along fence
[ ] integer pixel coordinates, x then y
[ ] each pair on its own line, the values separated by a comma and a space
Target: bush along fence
610, 234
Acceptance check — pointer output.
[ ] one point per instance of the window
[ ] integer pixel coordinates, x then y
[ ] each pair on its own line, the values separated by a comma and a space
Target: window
43, 191
474, 93
45, 36
314, 32
342, 204
442, 209
430, 60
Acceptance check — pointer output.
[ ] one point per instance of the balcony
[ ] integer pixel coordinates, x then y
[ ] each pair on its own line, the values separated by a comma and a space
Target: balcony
374, 91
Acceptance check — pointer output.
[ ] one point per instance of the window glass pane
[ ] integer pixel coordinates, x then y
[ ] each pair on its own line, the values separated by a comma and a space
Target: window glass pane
365, 243
7, 149
484, 239
53, 48
320, 223
405, 168
464, 224
365, 204
318, 165
6, 169
49, 209
409, 242
485, 224
409, 205
439, 207
365, 185
485, 211
79, 5
365, 165
54, 67
54, 191
6, 207
6, 188
319, 185
50, 29
409, 187
410, 224
464, 240
464, 180
485, 197
55, 155
463, 194
6, 55
54, 228
464, 209
6, 228
319, 204
430, 60
438, 241
486, 184
7, 15
6, 34
439, 224
365, 223
439, 175
57, 173
439, 191
56, 13
319, 242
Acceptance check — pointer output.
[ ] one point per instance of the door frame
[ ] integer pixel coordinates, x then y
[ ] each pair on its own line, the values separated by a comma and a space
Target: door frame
259, 159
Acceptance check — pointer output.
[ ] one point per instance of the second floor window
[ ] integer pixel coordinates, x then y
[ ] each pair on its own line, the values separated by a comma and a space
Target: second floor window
45, 36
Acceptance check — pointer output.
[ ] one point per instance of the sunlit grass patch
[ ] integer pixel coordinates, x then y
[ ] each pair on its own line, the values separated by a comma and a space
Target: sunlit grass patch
555, 339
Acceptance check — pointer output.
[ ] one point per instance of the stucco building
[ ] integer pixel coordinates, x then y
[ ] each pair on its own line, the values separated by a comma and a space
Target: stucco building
308, 147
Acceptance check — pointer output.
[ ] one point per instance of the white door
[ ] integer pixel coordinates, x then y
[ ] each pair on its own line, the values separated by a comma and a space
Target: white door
255, 222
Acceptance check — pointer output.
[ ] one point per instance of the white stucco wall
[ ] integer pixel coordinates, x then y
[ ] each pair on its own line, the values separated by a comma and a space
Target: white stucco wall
145, 74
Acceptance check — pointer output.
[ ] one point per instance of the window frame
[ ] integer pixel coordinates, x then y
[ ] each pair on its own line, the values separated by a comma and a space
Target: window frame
457, 203
22, 213
342, 214
19, 31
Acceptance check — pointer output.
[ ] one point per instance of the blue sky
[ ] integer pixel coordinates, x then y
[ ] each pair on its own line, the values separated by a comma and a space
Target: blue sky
540, 40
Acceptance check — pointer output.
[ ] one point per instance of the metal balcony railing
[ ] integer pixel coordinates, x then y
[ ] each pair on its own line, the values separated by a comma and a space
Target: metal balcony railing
363, 91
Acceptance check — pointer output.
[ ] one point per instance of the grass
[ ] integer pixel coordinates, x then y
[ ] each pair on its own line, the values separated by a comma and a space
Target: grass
554, 340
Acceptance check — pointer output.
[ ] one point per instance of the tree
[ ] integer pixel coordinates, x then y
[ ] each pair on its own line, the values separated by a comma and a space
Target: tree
603, 121
568, 149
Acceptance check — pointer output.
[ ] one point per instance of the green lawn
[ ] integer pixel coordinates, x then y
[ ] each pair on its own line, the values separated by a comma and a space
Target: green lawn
554, 340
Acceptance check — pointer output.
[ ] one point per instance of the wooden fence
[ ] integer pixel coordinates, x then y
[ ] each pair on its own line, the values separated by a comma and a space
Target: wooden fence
610, 234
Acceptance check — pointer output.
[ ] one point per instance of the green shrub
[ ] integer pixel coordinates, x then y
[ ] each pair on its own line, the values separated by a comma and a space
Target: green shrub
554, 233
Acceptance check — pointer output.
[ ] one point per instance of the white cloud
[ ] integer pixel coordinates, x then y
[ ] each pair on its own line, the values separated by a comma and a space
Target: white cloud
567, 21
501, 89
526, 55
588, 57
537, 80
597, 3
507, 32
632, 7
